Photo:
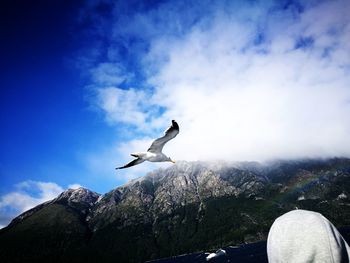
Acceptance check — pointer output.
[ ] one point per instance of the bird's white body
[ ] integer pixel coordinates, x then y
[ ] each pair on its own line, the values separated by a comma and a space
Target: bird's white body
154, 153
151, 157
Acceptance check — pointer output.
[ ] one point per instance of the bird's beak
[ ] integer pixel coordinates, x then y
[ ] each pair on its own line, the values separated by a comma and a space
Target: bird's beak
172, 161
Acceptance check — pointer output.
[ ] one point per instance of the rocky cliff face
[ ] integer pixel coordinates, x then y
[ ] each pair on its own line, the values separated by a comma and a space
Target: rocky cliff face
164, 191
187, 207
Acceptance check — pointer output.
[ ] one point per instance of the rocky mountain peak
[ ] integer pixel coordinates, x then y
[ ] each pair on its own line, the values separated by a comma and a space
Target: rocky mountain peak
79, 195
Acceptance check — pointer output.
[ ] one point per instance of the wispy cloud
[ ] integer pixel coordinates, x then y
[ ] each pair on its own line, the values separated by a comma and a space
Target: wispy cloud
30, 193
107, 74
126, 106
27, 194
74, 186
247, 81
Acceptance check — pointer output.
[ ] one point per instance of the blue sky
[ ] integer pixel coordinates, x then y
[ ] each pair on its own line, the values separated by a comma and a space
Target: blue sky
85, 83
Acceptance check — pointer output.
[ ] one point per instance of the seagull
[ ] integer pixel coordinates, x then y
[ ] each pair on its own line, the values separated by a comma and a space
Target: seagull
154, 153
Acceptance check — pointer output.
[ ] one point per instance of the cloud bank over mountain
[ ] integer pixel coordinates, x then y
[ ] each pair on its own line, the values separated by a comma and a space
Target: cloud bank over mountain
245, 81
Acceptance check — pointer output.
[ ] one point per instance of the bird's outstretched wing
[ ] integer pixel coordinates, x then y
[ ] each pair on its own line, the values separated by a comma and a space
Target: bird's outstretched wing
132, 163
170, 133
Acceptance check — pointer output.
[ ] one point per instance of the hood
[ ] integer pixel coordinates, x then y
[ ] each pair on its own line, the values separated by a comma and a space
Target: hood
305, 236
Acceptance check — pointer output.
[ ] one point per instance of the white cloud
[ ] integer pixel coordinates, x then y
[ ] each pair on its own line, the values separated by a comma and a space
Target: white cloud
109, 74
235, 102
29, 194
238, 97
74, 186
123, 105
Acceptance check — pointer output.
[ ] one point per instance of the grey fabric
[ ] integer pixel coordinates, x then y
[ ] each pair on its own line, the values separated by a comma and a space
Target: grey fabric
304, 236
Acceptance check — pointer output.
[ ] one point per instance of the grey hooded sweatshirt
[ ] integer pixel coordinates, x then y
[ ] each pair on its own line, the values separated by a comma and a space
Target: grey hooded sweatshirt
305, 236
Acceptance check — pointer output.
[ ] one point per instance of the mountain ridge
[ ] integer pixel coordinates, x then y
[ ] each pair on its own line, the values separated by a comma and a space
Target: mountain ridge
190, 206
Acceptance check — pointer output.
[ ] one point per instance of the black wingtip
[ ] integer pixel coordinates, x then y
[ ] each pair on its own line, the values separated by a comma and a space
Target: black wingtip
174, 124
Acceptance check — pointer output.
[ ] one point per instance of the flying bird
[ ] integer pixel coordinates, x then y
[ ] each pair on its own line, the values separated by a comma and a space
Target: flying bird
154, 153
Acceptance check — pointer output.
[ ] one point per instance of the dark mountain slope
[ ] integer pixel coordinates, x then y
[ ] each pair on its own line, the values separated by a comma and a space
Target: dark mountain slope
56, 230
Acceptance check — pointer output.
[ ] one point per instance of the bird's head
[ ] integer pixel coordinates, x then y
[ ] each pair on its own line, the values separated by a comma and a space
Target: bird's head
169, 160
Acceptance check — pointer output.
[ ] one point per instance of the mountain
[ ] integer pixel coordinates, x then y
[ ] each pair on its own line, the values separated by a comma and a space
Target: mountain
191, 206
55, 230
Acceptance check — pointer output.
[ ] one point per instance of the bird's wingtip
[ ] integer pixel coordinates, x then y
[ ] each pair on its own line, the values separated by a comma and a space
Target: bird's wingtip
174, 124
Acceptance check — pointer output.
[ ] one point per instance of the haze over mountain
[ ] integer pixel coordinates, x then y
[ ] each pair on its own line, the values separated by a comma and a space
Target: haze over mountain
191, 206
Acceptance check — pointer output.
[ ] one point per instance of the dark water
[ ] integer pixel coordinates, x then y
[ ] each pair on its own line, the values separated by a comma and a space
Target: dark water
249, 253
